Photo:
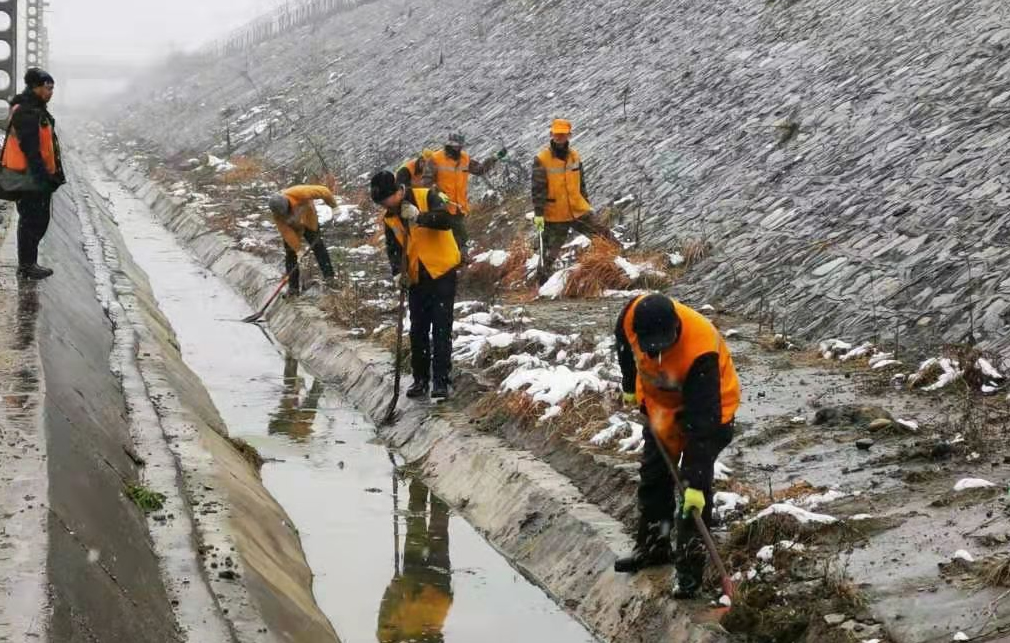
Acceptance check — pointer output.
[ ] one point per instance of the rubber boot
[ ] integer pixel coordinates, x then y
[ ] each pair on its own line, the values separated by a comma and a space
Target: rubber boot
652, 548
34, 272
441, 390
418, 389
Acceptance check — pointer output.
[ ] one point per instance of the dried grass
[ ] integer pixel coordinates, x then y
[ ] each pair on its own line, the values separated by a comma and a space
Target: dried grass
993, 571
514, 270
495, 409
247, 169
694, 251
596, 271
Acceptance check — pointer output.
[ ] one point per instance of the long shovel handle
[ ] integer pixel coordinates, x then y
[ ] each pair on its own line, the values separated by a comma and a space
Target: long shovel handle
390, 414
699, 522
277, 291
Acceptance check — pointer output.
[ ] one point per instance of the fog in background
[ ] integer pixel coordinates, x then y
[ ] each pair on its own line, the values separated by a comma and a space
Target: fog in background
132, 33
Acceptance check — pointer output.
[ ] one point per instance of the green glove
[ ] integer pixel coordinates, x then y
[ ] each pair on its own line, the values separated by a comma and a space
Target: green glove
502, 154
693, 499
630, 399
538, 223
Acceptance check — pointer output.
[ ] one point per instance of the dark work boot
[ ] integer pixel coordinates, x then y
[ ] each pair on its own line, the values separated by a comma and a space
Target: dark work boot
418, 389
652, 549
34, 272
440, 390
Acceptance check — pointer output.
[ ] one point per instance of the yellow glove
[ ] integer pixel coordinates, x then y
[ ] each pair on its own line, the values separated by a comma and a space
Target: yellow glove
631, 399
693, 499
538, 223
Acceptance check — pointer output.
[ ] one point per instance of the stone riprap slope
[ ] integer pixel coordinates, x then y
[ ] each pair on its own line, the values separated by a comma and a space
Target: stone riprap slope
846, 160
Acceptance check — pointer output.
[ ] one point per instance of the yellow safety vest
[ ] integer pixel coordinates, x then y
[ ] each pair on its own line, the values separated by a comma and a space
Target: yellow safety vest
436, 249
564, 187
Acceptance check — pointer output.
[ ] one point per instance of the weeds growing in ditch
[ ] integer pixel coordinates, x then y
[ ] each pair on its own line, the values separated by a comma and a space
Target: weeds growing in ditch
145, 498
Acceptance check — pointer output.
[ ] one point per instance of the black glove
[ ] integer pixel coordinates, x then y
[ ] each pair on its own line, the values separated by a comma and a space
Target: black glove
502, 153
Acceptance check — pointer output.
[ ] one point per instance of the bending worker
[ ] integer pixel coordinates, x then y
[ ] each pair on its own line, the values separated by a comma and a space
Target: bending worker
449, 170
296, 218
418, 219
676, 367
560, 201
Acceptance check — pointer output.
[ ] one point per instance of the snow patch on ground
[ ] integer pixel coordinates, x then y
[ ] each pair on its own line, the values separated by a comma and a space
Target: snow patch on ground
972, 483
554, 286
726, 502
817, 499
553, 384
496, 258
963, 555
801, 515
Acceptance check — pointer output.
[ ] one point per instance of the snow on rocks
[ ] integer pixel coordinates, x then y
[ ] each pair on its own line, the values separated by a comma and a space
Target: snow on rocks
829, 348
609, 434
972, 483
553, 384
727, 502
732, 332
859, 351
363, 250
911, 425
962, 554
345, 213
961, 636
554, 286
219, 164
496, 258
676, 259
815, 500
801, 515
324, 213
722, 472
634, 443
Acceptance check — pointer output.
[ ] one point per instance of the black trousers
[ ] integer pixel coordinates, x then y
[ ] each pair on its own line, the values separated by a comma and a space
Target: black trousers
315, 241
431, 302
659, 504
34, 212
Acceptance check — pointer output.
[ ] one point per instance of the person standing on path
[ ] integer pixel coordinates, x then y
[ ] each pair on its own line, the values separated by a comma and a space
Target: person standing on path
560, 200
418, 223
295, 216
449, 170
677, 368
32, 158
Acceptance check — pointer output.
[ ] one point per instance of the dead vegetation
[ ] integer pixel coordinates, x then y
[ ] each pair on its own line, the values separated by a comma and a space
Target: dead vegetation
246, 170
248, 453
596, 271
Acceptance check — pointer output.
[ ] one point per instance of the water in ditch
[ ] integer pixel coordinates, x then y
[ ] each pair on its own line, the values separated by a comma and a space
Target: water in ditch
392, 563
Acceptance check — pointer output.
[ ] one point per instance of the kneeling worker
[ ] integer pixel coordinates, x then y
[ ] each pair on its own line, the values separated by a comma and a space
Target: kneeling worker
418, 219
675, 365
296, 218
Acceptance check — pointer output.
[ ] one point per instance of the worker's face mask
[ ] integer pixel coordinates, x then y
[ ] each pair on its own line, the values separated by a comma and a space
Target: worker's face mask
560, 149
454, 152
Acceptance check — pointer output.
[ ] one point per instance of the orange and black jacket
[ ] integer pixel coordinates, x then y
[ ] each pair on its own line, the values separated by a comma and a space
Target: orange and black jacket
437, 217
29, 117
707, 397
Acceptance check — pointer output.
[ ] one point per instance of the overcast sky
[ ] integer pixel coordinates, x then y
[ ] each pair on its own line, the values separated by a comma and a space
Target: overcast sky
142, 29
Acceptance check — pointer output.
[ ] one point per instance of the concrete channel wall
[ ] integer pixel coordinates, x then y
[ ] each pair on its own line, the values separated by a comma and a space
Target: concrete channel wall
123, 408
532, 514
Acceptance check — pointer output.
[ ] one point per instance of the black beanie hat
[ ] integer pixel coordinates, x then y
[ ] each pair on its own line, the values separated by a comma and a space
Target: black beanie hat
383, 186
656, 323
36, 77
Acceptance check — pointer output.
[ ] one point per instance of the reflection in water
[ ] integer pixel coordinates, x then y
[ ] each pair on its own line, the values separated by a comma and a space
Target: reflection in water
294, 417
28, 312
418, 599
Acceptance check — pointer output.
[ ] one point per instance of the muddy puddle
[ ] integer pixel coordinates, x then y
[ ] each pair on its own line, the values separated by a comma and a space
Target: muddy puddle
391, 561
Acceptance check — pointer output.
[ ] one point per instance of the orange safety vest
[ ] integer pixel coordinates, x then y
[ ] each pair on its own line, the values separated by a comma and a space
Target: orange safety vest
660, 380
453, 178
436, 249
564, 187
14, 157
416, 173
301, 198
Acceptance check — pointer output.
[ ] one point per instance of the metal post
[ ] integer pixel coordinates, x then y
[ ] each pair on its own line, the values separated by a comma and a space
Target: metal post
8, 51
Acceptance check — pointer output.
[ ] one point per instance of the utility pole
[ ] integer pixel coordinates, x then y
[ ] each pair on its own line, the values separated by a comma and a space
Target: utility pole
8, 51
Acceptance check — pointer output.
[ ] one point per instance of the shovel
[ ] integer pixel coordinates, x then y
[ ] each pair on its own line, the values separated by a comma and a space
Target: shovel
390, 415
258, 315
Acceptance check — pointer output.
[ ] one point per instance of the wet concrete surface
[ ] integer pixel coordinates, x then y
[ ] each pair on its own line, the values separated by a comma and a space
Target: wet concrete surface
23, 480
391, 563
103, 576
